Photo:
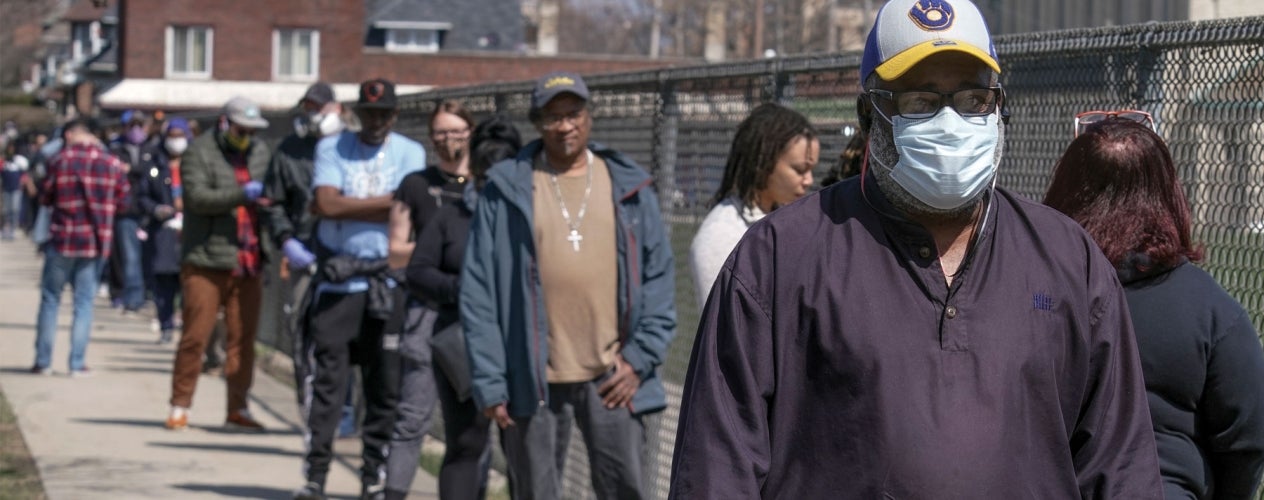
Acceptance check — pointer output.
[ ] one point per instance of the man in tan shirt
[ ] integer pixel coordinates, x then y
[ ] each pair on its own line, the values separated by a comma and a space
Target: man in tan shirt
567, 300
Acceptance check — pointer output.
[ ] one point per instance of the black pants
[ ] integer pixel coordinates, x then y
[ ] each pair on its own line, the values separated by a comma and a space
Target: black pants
342, 334
468, 438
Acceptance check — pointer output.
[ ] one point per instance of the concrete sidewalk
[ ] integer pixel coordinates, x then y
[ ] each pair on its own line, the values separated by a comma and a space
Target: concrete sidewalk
103, 436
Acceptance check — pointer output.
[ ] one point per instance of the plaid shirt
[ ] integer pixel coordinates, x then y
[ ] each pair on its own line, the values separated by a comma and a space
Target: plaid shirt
85, 187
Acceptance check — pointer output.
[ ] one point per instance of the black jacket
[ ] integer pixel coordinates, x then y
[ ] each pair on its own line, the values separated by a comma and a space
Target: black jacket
433, 274
1203, 364
140, 160
153, 189
288, 184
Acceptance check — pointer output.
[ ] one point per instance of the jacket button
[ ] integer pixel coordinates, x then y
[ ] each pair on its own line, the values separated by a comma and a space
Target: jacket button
924, 252
951, 312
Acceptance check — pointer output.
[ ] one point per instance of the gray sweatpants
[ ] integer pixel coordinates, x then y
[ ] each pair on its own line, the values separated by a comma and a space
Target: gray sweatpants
535, 447
417, 398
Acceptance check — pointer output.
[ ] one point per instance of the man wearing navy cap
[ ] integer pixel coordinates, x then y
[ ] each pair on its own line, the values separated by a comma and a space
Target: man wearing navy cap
917, 332
567, 300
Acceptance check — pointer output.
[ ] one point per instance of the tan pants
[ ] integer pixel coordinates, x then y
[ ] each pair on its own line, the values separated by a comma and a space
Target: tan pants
205, 291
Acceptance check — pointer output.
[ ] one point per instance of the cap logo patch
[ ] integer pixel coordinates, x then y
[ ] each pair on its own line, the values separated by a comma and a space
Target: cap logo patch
932, 15
373, 91
559, 81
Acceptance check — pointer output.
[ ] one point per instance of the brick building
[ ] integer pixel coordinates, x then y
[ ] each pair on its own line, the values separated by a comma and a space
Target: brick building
196, 54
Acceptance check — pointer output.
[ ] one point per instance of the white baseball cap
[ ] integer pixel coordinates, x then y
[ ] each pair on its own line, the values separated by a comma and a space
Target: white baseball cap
908, 31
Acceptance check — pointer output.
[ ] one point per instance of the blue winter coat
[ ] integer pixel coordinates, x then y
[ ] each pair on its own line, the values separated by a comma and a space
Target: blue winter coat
501, 299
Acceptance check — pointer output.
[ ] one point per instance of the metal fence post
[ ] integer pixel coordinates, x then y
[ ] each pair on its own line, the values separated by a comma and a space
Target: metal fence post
667, 125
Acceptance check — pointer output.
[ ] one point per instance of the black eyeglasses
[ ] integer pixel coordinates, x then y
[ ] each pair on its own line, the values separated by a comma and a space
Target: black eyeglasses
921, 104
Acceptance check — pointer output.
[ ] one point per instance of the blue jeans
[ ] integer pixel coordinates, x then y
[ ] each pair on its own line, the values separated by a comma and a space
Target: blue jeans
129, 257
82, 274
12, 211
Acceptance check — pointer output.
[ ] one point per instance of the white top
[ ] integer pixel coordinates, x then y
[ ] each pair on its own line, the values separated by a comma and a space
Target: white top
720, 232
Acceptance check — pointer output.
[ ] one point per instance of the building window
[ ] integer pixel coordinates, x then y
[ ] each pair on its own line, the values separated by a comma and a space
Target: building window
413, 40
295, 54
85, 40
189, 51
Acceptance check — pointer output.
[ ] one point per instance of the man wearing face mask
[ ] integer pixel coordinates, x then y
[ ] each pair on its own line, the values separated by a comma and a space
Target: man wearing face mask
156, 198
221, 258
288, 184
917, 332
126, 270
354, 293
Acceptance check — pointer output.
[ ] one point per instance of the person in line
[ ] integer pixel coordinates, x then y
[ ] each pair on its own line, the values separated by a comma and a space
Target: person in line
434, 276
850, 161
288, 185
353, 187
156, 200
14, 176
1199, 350
221, 259
421, 195
126, 270
917, 332
567, 298
770, 165
84, 188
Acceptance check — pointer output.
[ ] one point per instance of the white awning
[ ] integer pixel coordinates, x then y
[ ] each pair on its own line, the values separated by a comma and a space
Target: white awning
211, 94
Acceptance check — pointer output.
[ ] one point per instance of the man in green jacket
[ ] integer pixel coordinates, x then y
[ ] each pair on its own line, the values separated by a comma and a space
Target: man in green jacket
222, 257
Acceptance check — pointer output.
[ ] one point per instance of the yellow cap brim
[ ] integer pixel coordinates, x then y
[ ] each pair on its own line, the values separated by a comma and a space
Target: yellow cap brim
901, 63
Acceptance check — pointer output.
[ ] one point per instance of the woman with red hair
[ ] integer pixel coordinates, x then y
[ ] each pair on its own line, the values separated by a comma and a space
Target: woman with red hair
1200, 354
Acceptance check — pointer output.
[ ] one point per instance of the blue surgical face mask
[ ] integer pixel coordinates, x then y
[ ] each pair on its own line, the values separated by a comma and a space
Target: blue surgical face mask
945, 160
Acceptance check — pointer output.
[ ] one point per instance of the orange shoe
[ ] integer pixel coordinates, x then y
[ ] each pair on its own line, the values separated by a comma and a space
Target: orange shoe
178, 419
243, 422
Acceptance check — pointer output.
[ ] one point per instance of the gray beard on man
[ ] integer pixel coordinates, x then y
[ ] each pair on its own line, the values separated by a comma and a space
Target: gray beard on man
882, 151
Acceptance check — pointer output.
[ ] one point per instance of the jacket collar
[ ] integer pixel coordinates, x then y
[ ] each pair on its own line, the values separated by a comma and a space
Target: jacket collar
514, 178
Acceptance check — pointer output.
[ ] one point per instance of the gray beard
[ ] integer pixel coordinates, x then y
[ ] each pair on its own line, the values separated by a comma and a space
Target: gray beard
884, 156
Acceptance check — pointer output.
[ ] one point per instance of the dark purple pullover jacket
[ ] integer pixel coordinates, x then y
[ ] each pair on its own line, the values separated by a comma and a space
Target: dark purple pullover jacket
833, 361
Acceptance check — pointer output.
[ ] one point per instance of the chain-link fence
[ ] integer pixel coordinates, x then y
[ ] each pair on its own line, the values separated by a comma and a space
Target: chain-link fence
1203, 82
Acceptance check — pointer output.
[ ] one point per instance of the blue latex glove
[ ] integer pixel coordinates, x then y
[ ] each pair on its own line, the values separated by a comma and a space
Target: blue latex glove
297, 254
253, 189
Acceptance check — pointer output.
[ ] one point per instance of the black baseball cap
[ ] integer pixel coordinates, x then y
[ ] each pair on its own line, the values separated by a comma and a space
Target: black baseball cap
557, 83
320, 93
377, 93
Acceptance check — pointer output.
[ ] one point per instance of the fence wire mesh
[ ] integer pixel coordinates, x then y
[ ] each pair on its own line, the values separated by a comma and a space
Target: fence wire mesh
1203, 82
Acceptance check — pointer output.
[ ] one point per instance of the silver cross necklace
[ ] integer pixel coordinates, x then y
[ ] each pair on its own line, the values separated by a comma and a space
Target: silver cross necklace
574, 237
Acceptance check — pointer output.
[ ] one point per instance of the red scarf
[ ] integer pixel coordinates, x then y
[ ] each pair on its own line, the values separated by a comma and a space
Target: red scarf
248, 261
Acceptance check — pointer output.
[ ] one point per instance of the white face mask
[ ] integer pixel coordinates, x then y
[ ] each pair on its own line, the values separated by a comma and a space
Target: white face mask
176, 145
946, 160
320, 124
329, 124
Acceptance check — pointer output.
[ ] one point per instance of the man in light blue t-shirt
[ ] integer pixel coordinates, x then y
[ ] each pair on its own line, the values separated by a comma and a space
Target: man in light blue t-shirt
353, 184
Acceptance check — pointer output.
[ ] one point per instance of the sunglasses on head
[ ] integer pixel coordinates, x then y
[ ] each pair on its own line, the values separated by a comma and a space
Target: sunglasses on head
1083, 120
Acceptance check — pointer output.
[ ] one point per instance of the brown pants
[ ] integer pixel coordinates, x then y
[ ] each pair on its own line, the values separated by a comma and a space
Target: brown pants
205, 291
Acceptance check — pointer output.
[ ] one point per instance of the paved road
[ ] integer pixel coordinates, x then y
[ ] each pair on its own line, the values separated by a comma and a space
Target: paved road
103, 436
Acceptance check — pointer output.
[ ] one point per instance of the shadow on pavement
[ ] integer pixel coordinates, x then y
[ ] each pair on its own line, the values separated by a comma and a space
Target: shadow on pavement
166, 368
158, 423
166, 360
19, 326
245, 491
107, 340
234, 448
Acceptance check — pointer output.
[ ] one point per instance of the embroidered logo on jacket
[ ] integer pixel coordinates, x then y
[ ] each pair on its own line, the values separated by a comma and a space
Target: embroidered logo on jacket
1041, 302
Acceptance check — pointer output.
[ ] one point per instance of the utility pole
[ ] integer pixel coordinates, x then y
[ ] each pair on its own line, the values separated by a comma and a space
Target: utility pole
757, 47
656, 29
